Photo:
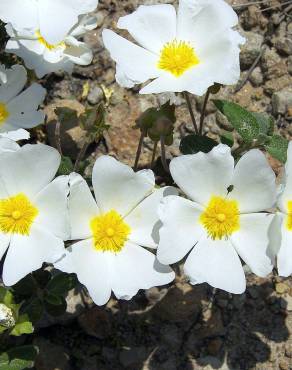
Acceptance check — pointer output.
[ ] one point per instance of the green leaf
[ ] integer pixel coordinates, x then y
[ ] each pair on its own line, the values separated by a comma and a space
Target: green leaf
244, 122
62, 283
6, 297
34, 309
42, 277
26, 287
277, 146
192, 144
266, 123
66, 166
18, 358
23, 326
226, 138
55, 305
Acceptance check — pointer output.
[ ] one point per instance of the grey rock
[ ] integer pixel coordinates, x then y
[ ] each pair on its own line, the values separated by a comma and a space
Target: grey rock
284, 45
256, 77
282, 101
95, 95
250, 49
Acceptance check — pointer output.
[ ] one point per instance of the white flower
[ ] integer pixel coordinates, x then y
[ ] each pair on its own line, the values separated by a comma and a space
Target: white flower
112, 229
220, 223
33, 208
185, 51
281, 229
52, 18
45, 57
19, 109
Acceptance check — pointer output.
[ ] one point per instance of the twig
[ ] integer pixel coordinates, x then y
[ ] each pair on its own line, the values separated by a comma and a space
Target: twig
275, 6
250, 3
58, 136
139, 150
81, 154
163, 156
255, 63
203, 115
187, 97
153, 154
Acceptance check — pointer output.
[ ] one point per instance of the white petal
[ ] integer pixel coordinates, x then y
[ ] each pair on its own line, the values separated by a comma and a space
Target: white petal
137, 63
37, 62
8, 145
16, 135
4, 243
80, 53
29, 169
216, 263
28, 253
254, 183
21, 13
251, 242
85, 23
201, 18
58, 17
151, 26
16, 79
284, 260
82, 207
92, 269
52, 205
144, 221
28, 100
117, 186
18, 120
136, 268
275, 236
287, 182
202, 175
180, 229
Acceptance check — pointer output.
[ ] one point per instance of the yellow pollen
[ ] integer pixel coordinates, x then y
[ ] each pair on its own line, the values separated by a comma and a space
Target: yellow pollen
17, 215
221, 217
110, 232
177, 57
289, 216
45, 42
4, 114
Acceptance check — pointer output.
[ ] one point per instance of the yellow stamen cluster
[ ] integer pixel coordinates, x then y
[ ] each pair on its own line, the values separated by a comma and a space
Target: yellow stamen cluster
45, 42
177, 57
289, 216
110, 232
4, 114
221, 217
17, 214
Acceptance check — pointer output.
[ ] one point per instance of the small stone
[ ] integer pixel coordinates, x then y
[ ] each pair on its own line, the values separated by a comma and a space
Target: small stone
284, 46
250, 49
272, 64
253, 292
283, 365
95, 95
282, 101
256, 77
281, 288
96, 322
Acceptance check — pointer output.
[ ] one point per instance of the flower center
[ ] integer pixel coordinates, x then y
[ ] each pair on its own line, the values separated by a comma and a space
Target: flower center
289, 216
45, 42
4, 114
17, 214
110, 232
221, 217
177, 57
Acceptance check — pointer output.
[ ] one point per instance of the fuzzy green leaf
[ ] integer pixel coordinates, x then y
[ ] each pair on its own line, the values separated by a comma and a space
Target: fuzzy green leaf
277, 146
18, 358
192, 144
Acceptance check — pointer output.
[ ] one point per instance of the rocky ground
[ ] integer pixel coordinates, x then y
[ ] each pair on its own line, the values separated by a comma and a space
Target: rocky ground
177, 327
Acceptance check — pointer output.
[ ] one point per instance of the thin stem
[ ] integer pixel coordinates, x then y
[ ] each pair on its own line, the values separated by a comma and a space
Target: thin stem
163, 155
153, 154
203, 115
139, 150
81, 154
187, 97
58, 136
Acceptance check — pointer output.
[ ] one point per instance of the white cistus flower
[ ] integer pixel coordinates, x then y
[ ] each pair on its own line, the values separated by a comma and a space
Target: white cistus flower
113, 230
281, 228
44, 57
19, 109
52, 18
33, 208
188, 50
220, 222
